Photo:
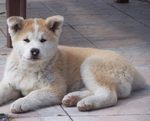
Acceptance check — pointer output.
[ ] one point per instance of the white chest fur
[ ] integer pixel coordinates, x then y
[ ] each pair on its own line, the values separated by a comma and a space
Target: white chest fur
27, 81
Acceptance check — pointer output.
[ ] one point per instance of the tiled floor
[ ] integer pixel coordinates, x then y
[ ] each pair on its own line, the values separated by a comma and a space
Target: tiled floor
103, 24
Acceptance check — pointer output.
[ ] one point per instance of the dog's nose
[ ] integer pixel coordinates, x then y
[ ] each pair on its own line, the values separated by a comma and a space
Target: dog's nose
35, 52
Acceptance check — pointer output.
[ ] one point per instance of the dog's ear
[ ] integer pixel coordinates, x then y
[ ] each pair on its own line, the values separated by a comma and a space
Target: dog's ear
14, 24
55, 23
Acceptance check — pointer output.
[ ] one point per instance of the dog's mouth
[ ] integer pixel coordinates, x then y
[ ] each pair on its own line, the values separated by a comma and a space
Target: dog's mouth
32, 59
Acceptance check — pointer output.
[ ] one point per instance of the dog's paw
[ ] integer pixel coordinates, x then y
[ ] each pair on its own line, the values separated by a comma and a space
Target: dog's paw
70, 100
19, 106
85, 105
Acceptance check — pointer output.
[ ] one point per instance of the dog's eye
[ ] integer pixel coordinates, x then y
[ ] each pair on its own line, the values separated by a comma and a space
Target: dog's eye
27, 40
42, 40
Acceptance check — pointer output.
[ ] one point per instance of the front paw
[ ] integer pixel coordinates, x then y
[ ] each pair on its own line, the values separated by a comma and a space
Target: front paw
19, 106
85, 105
70, 100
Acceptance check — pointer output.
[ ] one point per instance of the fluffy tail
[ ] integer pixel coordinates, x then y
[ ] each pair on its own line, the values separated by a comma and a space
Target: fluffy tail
139, 81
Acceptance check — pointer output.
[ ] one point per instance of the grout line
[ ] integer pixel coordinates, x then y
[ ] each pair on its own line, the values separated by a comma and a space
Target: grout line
127, 14
3, 33
71, 26
113, 115
48, 7
66, 113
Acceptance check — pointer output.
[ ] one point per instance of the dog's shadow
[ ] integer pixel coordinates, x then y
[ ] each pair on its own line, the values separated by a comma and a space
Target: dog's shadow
135, 96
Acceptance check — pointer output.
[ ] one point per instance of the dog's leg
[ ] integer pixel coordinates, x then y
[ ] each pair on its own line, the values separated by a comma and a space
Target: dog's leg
7, 93
38, 98
34, 100
103, 97
72, 98
98, 82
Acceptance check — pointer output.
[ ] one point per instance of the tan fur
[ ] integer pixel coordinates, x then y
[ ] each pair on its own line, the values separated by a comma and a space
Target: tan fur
59, 70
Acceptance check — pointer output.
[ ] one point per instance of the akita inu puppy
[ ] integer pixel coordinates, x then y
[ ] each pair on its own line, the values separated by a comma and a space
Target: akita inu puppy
47, 74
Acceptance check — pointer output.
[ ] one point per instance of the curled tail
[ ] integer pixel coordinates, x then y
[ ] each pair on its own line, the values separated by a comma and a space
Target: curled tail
139, 81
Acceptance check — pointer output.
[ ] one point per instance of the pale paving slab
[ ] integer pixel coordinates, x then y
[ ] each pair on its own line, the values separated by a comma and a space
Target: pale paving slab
119, 31
113, 118
2, 1
2, 40
55, 118
70, 32
2, 8
141, 8
72, 37
97, 19
53, 111
3, 19
76, 42
66, 7
27, 119
50, 111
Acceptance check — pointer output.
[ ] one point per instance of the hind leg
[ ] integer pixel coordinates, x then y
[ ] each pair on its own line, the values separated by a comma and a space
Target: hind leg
72, 98
97, 80
103, 97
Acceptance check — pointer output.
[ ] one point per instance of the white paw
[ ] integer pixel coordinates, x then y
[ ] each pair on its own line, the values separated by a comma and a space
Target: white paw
19, 106
70, 100
85, 105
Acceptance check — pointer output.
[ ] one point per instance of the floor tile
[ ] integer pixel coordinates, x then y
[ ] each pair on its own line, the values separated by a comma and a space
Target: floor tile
26, 119
113, 118
50, 111
55, 118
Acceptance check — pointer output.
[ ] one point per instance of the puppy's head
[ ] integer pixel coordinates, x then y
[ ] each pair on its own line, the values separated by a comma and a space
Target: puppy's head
35, 39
